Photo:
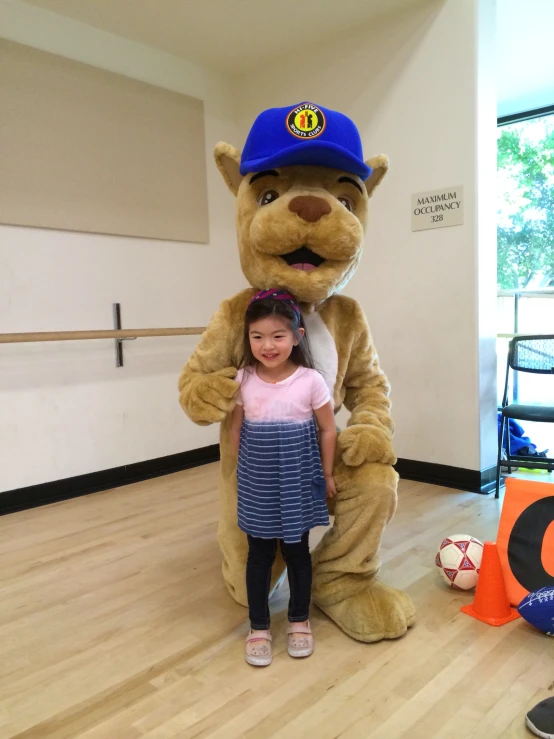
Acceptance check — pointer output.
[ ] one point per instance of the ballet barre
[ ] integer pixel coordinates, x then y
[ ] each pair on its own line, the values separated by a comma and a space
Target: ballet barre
118, 334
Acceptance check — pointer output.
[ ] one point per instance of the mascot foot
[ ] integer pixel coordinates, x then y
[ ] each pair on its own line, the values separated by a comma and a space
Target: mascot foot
376, 613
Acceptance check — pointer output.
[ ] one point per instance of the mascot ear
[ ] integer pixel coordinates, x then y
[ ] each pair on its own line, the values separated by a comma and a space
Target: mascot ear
379, 165
227, 159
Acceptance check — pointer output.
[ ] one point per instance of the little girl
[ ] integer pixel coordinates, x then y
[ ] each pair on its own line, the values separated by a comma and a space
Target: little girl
283, 479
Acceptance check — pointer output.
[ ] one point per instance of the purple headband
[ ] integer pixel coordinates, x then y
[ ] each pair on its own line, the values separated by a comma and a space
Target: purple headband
275, 294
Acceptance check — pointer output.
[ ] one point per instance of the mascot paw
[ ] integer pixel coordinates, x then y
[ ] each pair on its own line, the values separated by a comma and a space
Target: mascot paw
361, 443
209, 398
376, 613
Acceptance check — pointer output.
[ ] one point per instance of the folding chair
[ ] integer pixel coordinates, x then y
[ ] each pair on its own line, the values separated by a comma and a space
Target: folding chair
534, 354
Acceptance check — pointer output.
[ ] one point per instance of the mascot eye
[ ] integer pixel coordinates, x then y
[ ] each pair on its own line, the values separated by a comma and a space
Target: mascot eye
347, 204
268, 197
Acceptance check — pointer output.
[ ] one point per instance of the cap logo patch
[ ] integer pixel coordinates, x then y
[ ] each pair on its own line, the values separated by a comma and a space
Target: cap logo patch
306, 121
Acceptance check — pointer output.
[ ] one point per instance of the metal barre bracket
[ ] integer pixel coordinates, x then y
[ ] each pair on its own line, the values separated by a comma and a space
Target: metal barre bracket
119, 342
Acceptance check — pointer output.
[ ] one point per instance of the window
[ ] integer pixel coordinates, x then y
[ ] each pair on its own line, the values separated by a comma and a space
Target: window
526, 203
525, 276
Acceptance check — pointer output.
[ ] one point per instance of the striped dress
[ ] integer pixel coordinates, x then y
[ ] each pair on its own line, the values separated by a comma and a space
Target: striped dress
281, 487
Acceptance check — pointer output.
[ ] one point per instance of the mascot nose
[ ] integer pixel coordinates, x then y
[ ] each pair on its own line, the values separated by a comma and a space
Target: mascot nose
309, 208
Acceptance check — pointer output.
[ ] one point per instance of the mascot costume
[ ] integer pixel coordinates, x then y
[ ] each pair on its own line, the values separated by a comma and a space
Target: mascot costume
302, 190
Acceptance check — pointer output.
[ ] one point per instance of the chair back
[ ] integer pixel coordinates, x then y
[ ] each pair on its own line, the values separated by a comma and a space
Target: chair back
532, 354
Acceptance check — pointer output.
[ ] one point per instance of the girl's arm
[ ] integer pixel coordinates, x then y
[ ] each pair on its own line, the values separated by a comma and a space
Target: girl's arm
236, 424
328, 439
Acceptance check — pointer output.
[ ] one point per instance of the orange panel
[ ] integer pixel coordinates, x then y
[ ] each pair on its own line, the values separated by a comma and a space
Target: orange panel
526, 537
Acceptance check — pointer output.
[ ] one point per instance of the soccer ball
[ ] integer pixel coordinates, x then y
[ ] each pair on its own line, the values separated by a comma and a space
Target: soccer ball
459, 561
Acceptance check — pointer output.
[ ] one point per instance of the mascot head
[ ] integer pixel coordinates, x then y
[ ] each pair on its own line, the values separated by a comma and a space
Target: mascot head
302, 190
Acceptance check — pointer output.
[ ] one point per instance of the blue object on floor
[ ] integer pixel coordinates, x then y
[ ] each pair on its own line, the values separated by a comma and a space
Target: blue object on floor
518, 439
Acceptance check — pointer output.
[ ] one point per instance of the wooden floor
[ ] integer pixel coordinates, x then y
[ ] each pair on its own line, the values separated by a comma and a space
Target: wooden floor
114, 624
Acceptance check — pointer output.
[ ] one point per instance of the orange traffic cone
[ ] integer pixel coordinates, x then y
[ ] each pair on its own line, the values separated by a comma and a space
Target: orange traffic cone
491, 603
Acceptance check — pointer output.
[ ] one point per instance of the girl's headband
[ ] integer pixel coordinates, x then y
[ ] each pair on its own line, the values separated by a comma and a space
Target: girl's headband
281, 295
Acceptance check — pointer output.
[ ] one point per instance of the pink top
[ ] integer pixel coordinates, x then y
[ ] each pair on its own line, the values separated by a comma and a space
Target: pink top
293, 399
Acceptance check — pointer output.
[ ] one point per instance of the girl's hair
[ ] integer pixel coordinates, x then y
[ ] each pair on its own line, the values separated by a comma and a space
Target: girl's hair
258, 309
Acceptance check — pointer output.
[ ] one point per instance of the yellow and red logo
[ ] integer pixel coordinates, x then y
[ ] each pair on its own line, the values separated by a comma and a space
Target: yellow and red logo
306, 121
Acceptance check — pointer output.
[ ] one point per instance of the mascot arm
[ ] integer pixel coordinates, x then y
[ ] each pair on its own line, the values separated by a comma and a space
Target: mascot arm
368, 437
207, 389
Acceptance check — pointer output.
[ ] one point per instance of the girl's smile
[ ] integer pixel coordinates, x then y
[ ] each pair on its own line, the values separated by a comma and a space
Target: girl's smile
272, 341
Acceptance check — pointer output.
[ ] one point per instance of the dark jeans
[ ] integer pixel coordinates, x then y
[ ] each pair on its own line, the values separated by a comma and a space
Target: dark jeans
261, 555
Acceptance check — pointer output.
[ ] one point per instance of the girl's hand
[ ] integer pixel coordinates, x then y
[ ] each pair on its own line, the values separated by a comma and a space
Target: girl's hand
331, 486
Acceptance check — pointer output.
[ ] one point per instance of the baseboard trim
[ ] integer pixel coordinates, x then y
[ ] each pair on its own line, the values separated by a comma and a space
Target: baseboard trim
94, 482
460, 478
73, 487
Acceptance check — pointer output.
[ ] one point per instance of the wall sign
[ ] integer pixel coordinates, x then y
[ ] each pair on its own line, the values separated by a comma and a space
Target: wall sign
438, 208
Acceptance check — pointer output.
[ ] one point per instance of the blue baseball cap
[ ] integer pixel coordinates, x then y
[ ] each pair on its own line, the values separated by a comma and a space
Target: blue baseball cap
305, 134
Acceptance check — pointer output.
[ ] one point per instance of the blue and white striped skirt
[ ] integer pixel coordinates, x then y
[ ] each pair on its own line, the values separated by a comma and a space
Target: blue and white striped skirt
281, 487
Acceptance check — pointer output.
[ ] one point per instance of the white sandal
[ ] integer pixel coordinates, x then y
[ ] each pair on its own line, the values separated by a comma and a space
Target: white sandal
258, 655
300, 640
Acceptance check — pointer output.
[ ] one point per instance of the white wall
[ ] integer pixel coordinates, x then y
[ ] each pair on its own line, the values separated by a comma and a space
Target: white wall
487, 31
417, 85
64, 408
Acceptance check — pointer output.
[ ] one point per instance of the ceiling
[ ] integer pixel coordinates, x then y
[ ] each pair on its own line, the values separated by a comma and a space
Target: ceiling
525, 55
231, 35
236, 35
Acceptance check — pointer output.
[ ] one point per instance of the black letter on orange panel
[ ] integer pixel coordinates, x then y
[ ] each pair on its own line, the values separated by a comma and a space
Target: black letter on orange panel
525, 545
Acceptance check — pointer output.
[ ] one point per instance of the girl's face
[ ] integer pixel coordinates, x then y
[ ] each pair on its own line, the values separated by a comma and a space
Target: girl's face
272, 341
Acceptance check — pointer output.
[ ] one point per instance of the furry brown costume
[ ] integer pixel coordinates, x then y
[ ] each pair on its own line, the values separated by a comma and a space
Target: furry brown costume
309, 206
